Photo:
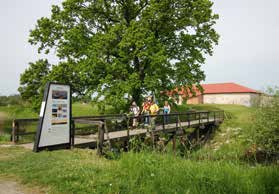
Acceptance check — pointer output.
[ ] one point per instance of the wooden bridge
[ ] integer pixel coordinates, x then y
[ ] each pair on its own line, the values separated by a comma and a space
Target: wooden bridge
94, 131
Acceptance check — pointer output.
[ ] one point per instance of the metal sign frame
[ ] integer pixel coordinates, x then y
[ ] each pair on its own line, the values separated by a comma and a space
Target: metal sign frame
67, 145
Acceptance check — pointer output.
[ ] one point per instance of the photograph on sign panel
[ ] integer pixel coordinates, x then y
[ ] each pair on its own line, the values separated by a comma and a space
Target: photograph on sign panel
59, 114
59, 94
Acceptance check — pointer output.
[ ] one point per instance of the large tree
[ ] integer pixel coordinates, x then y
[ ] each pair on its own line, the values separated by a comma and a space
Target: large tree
116, 49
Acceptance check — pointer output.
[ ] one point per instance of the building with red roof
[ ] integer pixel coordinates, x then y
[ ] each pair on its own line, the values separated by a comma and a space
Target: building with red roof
222, 93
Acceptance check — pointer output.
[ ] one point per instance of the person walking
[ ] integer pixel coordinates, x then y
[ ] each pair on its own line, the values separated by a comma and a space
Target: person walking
134, 110
153, 111
166, 111
146, 110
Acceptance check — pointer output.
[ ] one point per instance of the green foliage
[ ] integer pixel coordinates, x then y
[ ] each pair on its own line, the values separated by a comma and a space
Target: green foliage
81, 171
4, 138
18, 111
10, 100
137, 144
266, 123
33, 81
118, 50
196, 107
83, 109
232, 138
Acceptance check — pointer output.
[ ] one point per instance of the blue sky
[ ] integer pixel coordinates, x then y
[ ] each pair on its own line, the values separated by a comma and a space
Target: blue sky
247, 52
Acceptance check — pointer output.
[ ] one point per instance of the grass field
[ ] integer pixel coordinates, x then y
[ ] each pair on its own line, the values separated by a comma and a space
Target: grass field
232, 138
16, 111
81, 171
8, 113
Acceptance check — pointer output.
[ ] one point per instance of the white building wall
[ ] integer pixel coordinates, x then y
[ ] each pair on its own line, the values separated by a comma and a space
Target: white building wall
180, 100
245, 99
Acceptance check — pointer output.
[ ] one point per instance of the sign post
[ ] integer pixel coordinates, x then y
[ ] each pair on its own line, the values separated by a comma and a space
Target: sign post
54, 129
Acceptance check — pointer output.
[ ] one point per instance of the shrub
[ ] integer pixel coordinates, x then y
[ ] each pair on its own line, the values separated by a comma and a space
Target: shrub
4, 138
266, 123
10, 100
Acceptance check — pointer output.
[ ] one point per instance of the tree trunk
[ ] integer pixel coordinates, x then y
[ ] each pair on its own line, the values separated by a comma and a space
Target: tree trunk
137, 96
137, 92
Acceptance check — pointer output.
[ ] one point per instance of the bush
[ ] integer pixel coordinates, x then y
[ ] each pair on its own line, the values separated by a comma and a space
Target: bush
266, 123
4, 138
10, 100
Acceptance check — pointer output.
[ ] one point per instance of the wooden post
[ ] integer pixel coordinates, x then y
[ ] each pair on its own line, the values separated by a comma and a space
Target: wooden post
14, 131
164, 118
174, 143
107, 133
128, 130
100, 142
198, 134
73, 127
208, 117
176, 122
199, 118
153, 139
188, 119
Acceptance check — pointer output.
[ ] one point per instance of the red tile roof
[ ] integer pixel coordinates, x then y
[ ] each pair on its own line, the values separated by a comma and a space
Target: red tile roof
218, 88
222, 88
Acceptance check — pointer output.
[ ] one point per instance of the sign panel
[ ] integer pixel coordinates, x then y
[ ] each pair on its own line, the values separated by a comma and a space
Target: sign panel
55, 118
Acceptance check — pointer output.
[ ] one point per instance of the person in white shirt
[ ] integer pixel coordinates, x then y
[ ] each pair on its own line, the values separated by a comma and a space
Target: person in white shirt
166, 110
134, 110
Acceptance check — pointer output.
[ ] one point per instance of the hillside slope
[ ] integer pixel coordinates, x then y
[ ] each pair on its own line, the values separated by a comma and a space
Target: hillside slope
232, 138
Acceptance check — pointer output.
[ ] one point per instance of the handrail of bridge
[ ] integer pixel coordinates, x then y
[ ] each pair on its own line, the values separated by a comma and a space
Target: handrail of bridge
17, 129
153, 130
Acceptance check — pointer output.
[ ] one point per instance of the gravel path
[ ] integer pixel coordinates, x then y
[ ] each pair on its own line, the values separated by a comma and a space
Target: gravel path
10, 187
13, 187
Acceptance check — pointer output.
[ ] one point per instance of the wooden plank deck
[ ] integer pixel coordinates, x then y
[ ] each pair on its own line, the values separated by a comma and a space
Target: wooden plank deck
91, 140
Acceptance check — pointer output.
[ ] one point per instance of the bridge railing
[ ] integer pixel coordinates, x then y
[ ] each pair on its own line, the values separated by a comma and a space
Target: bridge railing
170, 123
24, 130
177, 118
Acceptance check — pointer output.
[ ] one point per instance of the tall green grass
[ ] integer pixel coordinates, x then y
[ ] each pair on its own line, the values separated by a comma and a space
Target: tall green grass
18, 111
81, 171
197, 107
231, 139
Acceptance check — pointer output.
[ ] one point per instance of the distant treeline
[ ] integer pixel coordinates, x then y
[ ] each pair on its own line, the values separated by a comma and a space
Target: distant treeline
11, 100
16, 99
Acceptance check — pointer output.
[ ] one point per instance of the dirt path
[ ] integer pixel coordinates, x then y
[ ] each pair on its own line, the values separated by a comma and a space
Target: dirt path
10, 187
13, 187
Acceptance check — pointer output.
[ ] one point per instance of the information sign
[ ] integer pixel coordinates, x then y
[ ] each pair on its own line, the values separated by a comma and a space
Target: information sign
54, 128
